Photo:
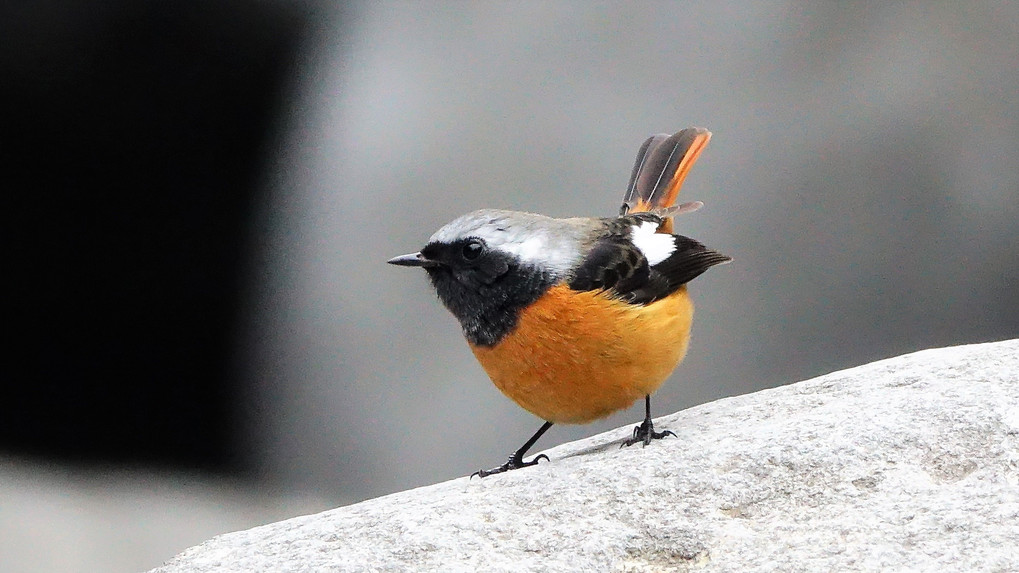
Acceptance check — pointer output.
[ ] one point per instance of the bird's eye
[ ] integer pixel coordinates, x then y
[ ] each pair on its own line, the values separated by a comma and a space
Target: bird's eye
472, 250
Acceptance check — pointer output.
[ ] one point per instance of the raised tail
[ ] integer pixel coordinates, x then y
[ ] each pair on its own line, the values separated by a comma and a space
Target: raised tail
662, 164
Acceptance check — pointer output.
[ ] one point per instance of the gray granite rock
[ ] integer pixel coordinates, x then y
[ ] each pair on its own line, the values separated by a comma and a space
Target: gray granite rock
910, 463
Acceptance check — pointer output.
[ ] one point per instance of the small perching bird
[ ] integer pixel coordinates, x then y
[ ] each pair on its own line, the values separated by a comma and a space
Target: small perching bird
577, 318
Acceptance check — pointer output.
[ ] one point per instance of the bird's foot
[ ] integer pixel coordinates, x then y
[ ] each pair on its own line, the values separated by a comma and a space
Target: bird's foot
645, 432
515, 462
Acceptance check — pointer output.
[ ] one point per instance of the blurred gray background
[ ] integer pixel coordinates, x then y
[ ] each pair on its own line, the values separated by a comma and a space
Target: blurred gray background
863, 175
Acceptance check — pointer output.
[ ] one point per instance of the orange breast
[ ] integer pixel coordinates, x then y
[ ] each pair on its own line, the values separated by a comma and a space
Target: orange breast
579, 356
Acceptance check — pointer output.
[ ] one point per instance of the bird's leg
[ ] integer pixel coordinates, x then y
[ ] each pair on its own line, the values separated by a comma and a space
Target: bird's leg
516, 459
645, 432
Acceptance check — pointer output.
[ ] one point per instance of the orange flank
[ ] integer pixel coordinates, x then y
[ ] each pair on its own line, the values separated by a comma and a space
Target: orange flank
576, 356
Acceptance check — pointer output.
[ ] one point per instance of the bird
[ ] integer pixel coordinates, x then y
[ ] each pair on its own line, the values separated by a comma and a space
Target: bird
576, 318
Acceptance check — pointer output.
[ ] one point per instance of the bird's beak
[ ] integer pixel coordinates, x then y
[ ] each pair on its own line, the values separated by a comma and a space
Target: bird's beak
412, 260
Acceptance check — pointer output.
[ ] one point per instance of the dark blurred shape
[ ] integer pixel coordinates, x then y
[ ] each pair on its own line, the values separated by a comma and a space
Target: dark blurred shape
132, 137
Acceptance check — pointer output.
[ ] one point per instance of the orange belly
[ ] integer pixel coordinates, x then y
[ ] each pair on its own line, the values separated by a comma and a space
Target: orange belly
578, 356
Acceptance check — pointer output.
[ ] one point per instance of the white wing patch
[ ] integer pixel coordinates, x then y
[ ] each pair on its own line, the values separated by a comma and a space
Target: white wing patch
656, 246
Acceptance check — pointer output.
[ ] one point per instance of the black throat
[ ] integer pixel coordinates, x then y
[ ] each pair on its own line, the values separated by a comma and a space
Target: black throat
488, 307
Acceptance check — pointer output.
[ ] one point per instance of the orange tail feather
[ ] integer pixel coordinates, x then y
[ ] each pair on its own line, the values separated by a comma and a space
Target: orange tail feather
663, 162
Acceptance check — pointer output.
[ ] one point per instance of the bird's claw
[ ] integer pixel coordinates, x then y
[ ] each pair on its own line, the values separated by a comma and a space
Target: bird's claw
514, 463
645, 433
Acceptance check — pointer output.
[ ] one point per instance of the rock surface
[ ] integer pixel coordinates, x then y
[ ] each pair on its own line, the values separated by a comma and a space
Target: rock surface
910, 463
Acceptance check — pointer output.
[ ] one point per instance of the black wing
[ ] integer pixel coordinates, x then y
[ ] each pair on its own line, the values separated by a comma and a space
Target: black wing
615, 264
687, 262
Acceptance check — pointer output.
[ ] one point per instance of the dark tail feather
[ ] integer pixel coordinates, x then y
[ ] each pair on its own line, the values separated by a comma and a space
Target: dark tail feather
662, 164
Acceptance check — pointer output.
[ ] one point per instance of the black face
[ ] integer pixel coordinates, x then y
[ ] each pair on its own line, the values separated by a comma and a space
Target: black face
469, 261
484, 288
